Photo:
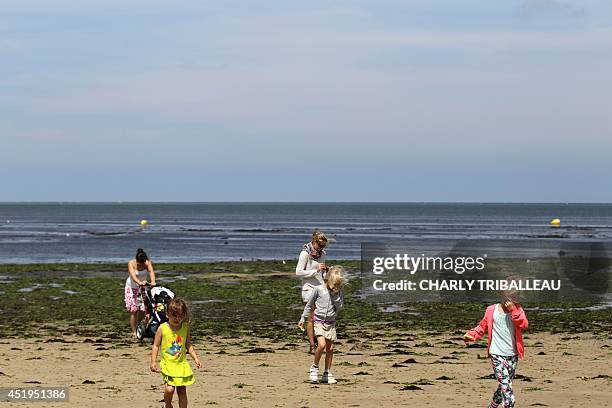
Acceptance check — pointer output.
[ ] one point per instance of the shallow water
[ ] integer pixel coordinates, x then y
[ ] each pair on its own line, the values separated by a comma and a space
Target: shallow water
199, 232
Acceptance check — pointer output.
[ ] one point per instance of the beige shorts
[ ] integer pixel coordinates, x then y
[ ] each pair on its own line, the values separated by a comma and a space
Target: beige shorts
326, 330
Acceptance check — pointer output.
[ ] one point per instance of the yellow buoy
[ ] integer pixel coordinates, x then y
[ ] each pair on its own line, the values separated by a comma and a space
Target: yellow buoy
556, 222
143, 223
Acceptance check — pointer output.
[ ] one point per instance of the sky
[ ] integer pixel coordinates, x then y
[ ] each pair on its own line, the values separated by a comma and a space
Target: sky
422, 100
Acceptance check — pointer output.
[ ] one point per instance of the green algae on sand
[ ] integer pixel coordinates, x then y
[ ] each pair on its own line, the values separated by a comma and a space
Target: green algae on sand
260, 298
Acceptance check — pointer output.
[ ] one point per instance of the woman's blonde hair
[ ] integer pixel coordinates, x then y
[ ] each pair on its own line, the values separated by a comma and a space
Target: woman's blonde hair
319, 237
178, 308
335, 277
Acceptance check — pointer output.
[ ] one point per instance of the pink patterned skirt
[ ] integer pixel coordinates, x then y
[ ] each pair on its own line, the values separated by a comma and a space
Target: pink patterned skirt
133, 301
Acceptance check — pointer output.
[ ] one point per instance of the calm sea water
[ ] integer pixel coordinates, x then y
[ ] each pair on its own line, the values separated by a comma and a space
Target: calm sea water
194, 232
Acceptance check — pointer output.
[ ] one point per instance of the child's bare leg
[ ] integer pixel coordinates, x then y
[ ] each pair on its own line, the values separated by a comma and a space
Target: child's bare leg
310, 331
319, 351
168, 394
182, 396
329, 353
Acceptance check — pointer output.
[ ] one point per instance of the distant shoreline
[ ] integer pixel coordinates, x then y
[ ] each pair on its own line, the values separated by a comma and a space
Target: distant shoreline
313, 202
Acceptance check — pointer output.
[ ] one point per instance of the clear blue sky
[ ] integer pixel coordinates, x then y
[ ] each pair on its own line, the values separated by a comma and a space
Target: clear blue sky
306, 101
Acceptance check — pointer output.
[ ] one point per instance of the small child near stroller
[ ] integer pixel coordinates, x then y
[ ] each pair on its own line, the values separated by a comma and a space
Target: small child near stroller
156, 300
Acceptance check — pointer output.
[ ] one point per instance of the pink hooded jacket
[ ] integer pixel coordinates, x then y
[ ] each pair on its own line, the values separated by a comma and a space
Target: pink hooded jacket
517, 314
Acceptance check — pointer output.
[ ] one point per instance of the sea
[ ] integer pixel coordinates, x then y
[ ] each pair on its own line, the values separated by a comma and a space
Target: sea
204, 232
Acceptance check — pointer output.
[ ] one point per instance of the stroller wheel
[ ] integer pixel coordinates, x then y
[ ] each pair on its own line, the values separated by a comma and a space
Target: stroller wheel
140, 331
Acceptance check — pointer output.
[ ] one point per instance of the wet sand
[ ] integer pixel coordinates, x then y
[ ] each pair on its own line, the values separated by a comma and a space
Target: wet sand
418, 369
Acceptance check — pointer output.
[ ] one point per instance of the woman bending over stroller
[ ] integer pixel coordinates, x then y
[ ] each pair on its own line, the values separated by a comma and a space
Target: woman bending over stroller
137, 269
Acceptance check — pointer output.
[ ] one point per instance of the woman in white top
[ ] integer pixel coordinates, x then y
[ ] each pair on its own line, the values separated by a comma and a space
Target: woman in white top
137, 270
311, 267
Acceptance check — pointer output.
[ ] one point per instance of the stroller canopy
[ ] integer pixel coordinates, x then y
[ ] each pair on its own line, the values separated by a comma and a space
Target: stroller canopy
158, 292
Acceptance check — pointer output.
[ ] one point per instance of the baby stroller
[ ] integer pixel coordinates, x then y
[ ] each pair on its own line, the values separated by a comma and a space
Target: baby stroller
156, 300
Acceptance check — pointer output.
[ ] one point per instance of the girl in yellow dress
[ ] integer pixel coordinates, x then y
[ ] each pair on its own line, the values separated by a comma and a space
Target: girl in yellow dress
174, 339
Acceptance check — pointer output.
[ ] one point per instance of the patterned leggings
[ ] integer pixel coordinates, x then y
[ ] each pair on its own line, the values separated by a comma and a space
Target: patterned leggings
504, 368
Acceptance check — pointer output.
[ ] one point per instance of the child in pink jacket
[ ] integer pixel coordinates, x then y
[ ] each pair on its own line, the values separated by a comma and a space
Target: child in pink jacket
504, 323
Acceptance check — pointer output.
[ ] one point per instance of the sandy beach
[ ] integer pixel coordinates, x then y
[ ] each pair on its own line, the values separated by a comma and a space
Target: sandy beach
65, 325
397, 369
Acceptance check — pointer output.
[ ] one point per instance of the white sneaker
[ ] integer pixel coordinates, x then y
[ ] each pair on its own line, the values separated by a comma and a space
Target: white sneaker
314, 373
328, 378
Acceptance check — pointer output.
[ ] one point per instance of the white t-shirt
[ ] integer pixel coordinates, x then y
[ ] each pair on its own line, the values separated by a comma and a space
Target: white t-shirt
502, 334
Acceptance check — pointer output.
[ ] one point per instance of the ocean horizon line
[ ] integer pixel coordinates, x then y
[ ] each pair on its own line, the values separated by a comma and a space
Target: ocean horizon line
315, 202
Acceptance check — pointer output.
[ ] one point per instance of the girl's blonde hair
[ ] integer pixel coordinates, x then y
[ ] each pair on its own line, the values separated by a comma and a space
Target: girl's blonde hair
335, 277
178, 308
319, 237
512, 295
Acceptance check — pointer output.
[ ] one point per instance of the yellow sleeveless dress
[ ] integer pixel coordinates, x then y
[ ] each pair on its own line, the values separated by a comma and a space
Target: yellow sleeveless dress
175, 369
